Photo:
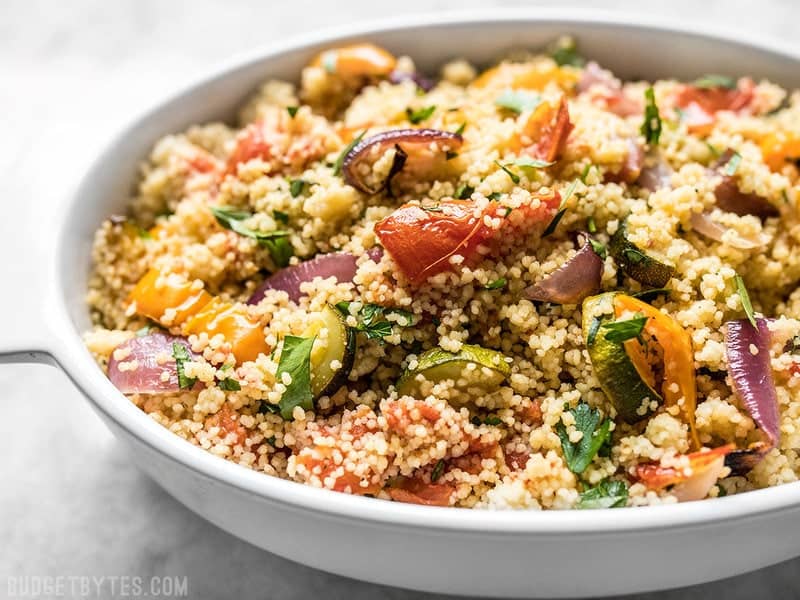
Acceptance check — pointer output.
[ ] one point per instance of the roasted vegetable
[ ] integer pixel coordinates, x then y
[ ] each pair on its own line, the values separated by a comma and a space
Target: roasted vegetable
635, 263
691, 480
576, 279
472, 367
356, 60
332, 355
624, 369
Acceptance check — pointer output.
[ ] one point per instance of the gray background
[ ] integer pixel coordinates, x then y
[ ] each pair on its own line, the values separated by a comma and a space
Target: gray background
70, 74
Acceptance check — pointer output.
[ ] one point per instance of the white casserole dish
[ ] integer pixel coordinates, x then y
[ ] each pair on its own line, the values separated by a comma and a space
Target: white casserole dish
541, 554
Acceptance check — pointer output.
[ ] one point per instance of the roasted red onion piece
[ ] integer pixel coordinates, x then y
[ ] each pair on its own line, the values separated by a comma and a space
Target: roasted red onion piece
341, 265
741, 462
703, 223
425, 148
139, 369
422, 82
656, 177
593, 74
747, 348
575, 280
632, 167
731, 199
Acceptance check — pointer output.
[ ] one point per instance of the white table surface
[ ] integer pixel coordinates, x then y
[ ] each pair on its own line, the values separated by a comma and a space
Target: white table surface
70, 74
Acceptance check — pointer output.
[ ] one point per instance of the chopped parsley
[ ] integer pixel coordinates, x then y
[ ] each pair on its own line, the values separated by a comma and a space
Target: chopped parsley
337, 166
531, 163
715, 81
745, 298
599, 248
296, 187
296, 361
490, 420
438, 470
585, 173
496, 196
596, 432
182, 356
517, 101
651, 128
793, 345
565, 52
281, 216
233, 219
280, 250
561, 210
733, 164
591, 225
372, 322
292, 110
421, 114
461, 128
622, 331
609, 493
464, 191
496, 284
229, 385
513, 176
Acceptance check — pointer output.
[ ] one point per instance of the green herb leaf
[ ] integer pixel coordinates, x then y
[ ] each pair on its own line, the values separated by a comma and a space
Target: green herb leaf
650, 295
421, 114
733, 164
531, 163
337, 166
635, 256
296, 361
296, 187
715, 81
561, 210
496, 284
599, 248
517, 101
716, 152
622, 331
280, 250
591, 225
182, 356
565, 52
793, 345
143, 331
745, 298
438, 470
585, 173
579, 455
292, 110
609, 493
372, 321
496, 196
233, 219
280, 216
267, 408
229, 385
464, 191
492, 420
461, 128
651, 128
513, 176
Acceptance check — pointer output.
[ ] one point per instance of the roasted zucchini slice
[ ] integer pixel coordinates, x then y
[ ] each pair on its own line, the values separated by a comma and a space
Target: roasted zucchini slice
635, 263
333, 353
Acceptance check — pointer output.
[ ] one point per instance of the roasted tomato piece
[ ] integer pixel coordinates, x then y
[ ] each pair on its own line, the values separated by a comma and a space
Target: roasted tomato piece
691, 482
422, 241
545, 133
700, 104
417, 491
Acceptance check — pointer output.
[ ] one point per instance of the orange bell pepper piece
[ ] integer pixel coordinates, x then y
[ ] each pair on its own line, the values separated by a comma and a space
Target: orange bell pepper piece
679, 377
781, 148
545, 132
356, 60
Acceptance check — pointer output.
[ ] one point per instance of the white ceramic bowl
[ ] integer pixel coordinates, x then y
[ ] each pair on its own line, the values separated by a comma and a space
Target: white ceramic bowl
572, 553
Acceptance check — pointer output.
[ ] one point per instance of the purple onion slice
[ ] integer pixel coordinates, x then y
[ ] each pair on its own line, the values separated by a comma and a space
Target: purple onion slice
421, 81
426, 150
655, 177
341, 265
575, 280
749, 365
146, 364
703, 223
731, 199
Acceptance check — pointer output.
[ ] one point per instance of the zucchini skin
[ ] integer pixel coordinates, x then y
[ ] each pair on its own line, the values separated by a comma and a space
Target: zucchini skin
618, 376
644, 268
348, 359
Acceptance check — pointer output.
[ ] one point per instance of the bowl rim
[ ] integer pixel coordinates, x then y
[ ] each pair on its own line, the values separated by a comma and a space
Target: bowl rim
70, 353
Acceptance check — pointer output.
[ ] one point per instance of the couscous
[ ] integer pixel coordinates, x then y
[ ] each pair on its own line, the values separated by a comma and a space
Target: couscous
533, 286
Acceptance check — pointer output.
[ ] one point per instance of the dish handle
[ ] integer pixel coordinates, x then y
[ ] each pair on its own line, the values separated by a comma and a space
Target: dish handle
26, 334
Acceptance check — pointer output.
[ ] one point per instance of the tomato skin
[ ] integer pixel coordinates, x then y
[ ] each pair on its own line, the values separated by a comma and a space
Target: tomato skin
548, 127
416, 491
701, 104
252, 142
422, 241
